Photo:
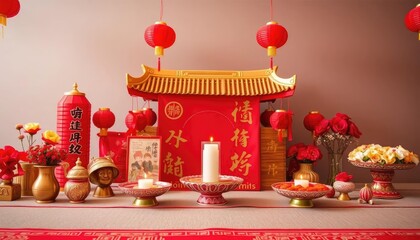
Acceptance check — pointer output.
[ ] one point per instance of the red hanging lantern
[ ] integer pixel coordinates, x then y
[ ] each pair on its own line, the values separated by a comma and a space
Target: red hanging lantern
151, 116
103, 119
281, 120
265, 117
412, 20
159, 36
130, 120
141, 121
8, 9
312, 119
272, 36
135, 121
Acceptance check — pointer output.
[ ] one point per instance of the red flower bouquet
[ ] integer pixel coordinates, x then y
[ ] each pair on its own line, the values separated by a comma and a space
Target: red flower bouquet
340, 124
304, 153
47, 155
335, 135
9, 162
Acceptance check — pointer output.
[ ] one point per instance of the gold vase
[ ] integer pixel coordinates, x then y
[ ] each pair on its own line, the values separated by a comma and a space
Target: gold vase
306, 172
27, 179
45, 188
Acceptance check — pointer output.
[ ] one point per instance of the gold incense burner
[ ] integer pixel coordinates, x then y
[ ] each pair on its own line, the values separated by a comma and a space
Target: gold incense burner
77, 188
102, 172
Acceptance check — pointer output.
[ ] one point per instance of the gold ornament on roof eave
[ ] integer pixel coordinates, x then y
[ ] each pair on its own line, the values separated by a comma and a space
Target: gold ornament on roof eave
211, 82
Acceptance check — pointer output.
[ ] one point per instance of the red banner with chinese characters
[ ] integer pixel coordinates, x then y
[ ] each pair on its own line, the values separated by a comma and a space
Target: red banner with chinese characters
186, 121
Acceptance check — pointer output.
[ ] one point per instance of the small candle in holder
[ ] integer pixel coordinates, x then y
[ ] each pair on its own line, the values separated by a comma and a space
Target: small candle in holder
210, 161
302, 182
145, 183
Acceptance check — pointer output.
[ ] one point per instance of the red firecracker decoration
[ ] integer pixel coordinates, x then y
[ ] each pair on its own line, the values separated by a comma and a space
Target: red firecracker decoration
103, 119
312, 119
412, 20
366, 195
281, 120
265, 117
73, 125
8, 9
159, 36
151, 116
272, 36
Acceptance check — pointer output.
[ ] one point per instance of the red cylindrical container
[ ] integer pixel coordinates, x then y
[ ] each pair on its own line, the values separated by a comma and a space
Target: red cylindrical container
73, 126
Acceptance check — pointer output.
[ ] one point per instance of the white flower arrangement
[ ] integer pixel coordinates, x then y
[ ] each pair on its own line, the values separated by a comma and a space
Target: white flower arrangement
375, 153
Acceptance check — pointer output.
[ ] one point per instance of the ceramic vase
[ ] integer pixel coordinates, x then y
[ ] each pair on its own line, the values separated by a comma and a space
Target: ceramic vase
45, 188
77, 187
306, 172
343, 188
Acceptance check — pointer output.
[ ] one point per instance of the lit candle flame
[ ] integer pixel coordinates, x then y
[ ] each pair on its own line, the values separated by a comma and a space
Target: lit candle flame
145, 175
211, 139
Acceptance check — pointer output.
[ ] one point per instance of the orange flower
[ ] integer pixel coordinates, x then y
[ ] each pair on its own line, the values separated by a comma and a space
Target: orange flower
32, 128
50, 137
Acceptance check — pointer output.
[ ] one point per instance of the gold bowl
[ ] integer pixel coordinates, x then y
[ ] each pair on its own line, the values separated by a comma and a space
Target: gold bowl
300, 198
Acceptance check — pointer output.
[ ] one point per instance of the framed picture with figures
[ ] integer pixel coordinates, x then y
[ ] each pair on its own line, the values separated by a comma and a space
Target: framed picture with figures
143, 157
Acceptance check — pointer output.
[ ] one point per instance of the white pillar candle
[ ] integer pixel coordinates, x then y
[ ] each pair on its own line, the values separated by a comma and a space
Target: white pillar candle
210, 161
145, 183
302, 182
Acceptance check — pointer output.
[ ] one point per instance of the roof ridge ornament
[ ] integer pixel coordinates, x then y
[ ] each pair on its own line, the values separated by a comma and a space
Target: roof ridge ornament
263, 83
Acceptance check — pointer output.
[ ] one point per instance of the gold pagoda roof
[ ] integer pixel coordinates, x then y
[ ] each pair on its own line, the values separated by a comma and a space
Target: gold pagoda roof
263, 82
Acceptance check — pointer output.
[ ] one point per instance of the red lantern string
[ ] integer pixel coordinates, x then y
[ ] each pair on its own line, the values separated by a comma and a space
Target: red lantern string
161, 10
271, 10
271, 36
159, 36
160, 18
8, 9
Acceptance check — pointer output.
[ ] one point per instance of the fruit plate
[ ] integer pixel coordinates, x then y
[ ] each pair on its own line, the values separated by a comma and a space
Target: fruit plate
301, 197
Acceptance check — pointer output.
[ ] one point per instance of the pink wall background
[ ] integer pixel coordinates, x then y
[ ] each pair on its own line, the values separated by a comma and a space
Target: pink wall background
350, 56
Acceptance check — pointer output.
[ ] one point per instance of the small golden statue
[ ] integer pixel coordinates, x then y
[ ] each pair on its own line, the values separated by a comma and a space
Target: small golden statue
102, 172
